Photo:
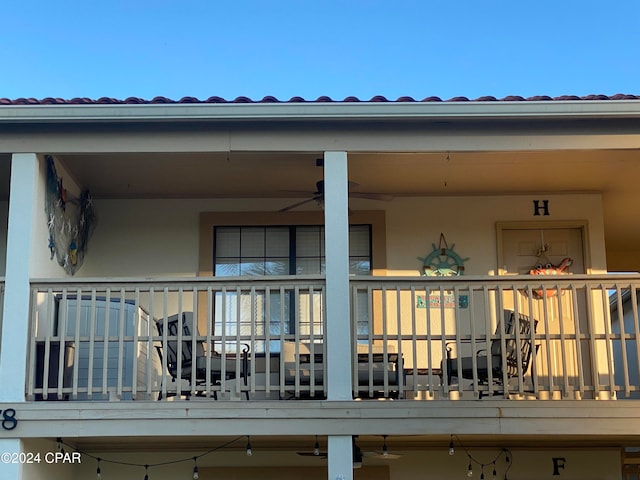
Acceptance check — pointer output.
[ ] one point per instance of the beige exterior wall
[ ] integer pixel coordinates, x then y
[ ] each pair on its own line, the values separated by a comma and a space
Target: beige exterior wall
414, 224
228, 465
161, 237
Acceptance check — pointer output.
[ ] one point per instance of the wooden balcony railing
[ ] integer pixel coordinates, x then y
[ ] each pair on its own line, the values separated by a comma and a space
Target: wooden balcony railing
572, 336
564, 337
232, 338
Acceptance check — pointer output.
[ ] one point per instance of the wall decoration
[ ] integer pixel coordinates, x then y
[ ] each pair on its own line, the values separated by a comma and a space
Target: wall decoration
70, 221
545, 267
435, 300
442, 261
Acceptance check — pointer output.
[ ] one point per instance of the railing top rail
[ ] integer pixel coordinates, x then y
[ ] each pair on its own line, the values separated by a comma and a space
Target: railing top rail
502, 279
180, 281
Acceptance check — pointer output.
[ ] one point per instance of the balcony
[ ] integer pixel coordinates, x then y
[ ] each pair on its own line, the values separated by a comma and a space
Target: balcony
413, 338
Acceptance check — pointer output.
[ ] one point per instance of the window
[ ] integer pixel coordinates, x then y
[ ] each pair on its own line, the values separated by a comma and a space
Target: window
294, 250
277, 250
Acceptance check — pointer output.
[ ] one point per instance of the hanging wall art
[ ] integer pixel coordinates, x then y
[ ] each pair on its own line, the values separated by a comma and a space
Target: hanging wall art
544, 267
70, 221
443, 261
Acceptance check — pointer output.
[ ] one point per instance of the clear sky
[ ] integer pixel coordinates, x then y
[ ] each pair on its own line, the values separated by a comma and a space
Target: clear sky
309, 48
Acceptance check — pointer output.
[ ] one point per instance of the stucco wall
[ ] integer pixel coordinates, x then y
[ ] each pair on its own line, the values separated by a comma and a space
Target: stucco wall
414, 224
525, 465
160, 237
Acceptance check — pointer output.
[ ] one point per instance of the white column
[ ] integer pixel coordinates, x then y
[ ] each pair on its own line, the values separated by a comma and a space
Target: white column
10, 470
340, 457
336, 222
15, 318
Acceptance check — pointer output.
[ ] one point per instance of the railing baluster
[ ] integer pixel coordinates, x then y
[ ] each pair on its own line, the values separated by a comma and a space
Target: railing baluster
106, 337
76, 343
137, 345
592, 344
578, 342
430, 349
252, 340
210, 350
121, 333
636, 332
92, 341
62, 336
267, 349
414, 342
608, 338
623, 342
563, 353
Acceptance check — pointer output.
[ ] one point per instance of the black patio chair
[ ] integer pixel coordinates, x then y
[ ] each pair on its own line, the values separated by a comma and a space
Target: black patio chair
186, 370
518, 348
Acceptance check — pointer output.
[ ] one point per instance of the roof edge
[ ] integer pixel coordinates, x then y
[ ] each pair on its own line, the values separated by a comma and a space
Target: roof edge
314, 111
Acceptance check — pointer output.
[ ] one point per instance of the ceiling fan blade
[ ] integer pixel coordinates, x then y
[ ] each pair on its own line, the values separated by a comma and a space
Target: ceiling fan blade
371, 196
388, 456
322, 455
290, 207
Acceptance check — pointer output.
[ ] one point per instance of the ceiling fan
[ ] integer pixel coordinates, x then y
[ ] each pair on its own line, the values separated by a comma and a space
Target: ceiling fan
358, 454
318, 195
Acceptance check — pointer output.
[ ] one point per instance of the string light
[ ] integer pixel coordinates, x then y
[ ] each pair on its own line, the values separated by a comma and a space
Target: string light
492, 463
249, 451
385, 450
316, 447
196, 475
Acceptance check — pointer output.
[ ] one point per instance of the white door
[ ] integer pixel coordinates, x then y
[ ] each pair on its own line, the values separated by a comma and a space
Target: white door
523, 249
562, 362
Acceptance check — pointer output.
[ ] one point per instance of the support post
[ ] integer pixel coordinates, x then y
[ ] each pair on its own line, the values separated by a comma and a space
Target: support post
15, 318
340, 455
338, 324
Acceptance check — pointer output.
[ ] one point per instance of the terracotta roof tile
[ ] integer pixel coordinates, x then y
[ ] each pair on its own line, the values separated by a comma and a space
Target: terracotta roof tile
297, 99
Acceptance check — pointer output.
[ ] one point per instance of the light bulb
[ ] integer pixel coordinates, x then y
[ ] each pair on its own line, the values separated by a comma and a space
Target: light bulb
385, 450
98, 471
451, 449
249, 451
196, 474
470, 471
316, 447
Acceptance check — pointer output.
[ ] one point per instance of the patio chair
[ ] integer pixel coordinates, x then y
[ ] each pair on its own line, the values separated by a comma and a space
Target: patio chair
494, 362
186, 364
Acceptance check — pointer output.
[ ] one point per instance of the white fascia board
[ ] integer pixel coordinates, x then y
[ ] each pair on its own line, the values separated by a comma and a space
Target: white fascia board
362, 111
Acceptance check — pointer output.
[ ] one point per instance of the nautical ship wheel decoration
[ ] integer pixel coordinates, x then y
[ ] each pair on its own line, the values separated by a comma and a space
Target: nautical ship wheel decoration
443, 261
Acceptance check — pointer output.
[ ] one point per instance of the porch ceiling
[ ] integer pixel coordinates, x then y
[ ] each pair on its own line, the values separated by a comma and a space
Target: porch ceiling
279, 175
395, 443
613, 173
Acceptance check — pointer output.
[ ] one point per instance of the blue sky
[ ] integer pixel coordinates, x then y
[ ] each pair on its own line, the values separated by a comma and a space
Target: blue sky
202, 48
